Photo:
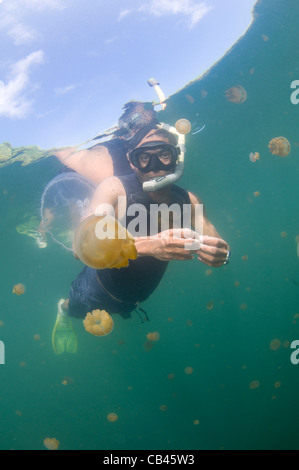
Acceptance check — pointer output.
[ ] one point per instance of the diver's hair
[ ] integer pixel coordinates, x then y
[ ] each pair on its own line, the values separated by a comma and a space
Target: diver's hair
172, 138
146, 110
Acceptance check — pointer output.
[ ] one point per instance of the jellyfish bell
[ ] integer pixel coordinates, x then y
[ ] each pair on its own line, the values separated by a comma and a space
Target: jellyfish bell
101, 242
98, 323
253, 157
279, 146
51, 443
112, 417
153, 336
19, 289
236, 94
63, 205
183, 126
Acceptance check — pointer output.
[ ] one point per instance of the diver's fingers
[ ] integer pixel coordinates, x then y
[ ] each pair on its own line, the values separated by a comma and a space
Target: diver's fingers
213, 242
209, 260
178, 233
215, 253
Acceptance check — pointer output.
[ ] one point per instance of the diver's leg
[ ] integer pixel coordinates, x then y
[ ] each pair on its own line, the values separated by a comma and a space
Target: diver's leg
64, 338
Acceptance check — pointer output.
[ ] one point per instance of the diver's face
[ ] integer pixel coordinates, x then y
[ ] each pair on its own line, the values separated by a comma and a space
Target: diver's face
144, 157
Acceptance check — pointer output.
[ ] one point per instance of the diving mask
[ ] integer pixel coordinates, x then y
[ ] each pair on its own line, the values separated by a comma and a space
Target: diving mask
154, 156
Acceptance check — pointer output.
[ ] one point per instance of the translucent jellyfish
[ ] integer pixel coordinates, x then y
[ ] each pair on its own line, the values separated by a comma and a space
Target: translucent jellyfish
210, 305
275, 344
98, 323
236, 94
64, 203
183, 126
101, 242
163, 407
253, 157
112, 417
19, 289
51, 443
279, 146
190, 98
153, 336
254, 384
148, 345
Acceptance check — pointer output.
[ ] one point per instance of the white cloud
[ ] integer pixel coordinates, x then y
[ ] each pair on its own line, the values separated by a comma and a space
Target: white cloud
14, 11
37, 5
123, 14
21, 34
194, 10
13, 95
64, 90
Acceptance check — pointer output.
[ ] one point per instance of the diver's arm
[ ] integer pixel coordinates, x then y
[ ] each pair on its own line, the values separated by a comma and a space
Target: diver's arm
214, 251
94, 163
168, 245
202, 225
106, 198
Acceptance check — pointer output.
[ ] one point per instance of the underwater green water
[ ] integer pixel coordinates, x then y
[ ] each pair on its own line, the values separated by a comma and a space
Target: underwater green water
228, 346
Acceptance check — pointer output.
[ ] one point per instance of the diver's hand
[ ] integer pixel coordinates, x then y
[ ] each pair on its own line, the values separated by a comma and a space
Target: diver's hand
174, 244
213, 251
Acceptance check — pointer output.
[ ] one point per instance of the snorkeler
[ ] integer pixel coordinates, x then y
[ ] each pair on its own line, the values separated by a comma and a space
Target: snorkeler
100, 161
121, 291
109, 158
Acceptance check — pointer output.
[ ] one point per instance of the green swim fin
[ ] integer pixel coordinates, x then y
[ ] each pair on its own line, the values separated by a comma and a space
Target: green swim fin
64, 338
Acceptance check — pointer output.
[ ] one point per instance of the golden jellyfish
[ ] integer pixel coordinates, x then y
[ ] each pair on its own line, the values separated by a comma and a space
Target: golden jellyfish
188, 370
98, 323
275, 344
112, 417
236, 94
153, 336
101, 242
279, 146
19, 289
253, 157
183, 126
163, 407
210, 305
36, 337
254, 385
51, 443
148, 345
256, 193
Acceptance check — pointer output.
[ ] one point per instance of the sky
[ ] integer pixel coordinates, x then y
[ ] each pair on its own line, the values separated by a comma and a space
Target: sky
68, 66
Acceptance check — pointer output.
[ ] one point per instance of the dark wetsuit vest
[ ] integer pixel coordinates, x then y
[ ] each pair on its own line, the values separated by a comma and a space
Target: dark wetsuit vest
121, 290
135, 283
